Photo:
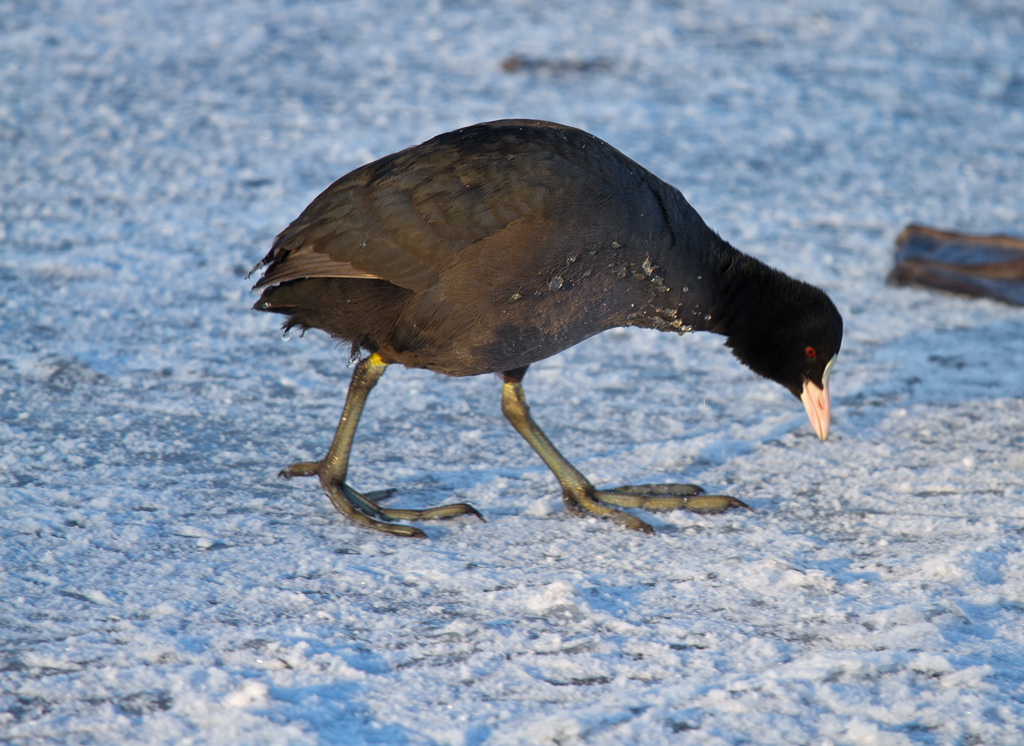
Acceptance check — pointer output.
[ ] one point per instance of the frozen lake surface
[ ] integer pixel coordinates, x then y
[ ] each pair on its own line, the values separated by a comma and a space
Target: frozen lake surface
158, 584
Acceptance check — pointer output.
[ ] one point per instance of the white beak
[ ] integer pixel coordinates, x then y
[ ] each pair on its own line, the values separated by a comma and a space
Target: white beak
816, 401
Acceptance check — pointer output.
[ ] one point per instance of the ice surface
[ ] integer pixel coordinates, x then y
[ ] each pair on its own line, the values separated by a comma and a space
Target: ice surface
160, 585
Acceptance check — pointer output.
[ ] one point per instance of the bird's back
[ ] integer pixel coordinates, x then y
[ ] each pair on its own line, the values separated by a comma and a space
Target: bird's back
483, 249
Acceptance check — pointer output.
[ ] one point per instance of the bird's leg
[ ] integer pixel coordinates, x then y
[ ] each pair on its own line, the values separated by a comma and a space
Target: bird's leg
580, 496
333, 469
577, 491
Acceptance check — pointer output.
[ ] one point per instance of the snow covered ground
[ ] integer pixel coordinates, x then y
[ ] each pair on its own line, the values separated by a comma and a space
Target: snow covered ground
159, 585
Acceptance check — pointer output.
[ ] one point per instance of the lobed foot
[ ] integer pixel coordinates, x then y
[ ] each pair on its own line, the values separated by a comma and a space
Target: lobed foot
586, 503
664, 497
364, 510
653, 497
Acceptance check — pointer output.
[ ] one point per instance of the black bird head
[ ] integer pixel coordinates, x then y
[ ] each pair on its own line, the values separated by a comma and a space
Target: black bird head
785, 330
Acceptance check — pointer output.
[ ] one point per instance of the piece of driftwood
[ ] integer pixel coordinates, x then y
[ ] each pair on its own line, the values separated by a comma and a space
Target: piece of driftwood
981, 266
521, 63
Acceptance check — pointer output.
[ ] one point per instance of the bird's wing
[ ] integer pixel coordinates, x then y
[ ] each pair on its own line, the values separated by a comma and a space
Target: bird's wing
400, 219
405, 217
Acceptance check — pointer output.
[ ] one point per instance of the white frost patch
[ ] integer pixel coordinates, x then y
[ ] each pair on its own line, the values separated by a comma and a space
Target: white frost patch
250, 693
559, 594
542, 507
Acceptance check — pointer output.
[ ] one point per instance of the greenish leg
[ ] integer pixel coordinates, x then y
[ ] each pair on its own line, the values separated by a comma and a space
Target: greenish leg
580, 496
577, 491
333, 469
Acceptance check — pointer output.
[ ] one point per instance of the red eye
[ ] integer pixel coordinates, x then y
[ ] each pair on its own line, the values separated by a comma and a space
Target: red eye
810, 352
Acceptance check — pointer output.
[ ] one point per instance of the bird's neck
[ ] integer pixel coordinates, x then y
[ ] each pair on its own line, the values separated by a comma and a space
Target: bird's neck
731, 275
691, 285
751, 300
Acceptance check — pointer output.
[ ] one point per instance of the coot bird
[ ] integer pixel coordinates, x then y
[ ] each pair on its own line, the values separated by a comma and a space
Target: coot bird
489, 248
